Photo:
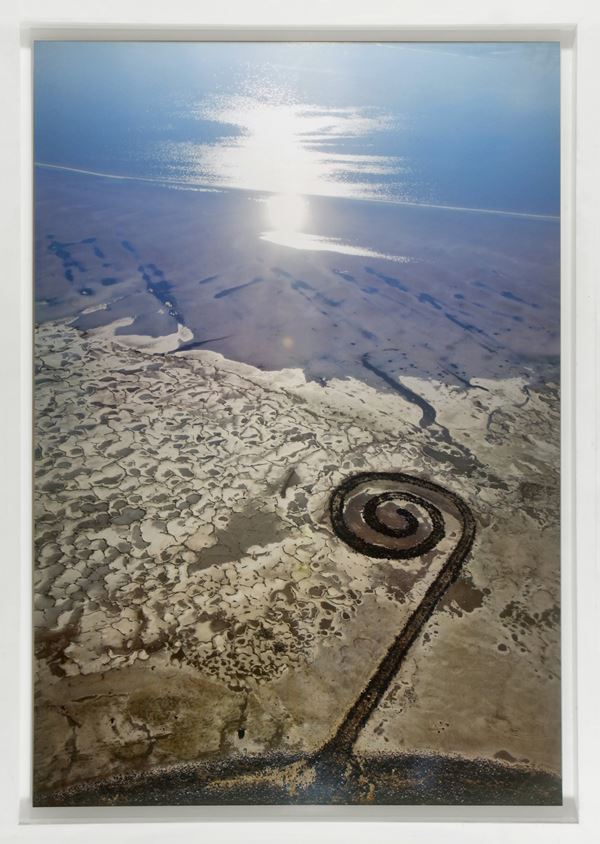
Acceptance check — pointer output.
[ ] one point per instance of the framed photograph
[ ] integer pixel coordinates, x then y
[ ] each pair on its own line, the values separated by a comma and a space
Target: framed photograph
302, 428
297, 423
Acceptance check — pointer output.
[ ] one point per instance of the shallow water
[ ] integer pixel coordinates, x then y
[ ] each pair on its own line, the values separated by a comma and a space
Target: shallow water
476, 295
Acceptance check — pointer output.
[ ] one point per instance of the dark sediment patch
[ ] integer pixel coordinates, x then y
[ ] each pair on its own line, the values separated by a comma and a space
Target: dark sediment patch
352, 280
291, 478
513, 298
473, 329
161, 289
429, 414
197, 344
388, 279
128, 515
462, 379
250, 527
506, 294
346, 276
298, 284
462, 459
64, 255
304, 288
156, 270
467, 326
284, 273
462, 596
398, 581
229, 290
430, 300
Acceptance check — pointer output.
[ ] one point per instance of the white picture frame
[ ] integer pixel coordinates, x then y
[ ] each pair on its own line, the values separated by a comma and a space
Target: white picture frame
577, 27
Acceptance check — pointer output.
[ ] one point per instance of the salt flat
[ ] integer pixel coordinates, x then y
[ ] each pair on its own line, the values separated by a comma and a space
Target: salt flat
192, 601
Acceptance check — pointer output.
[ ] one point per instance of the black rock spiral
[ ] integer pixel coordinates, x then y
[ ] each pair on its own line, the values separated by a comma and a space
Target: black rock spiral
401, 522
395, 516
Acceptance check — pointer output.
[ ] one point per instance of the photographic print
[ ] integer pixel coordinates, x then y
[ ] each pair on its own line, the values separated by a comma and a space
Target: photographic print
297, 423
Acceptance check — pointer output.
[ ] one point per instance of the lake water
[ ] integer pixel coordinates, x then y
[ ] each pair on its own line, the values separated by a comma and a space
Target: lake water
305, 204
473, 125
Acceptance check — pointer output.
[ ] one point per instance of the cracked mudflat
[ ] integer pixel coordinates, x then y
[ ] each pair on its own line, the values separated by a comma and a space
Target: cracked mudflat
203, 631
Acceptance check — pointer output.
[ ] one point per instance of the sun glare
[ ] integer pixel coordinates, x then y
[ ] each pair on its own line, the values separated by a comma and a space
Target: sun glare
287, 213
285, 147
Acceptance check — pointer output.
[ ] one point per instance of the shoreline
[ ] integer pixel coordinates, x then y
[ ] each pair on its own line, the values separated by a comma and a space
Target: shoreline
203, 188
487, 290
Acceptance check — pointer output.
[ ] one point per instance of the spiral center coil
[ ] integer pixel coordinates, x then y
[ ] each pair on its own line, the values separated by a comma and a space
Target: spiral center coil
391, 515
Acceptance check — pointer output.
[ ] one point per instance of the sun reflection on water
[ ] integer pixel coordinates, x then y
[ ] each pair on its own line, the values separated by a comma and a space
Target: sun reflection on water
273, 144
287, 213
276, 145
